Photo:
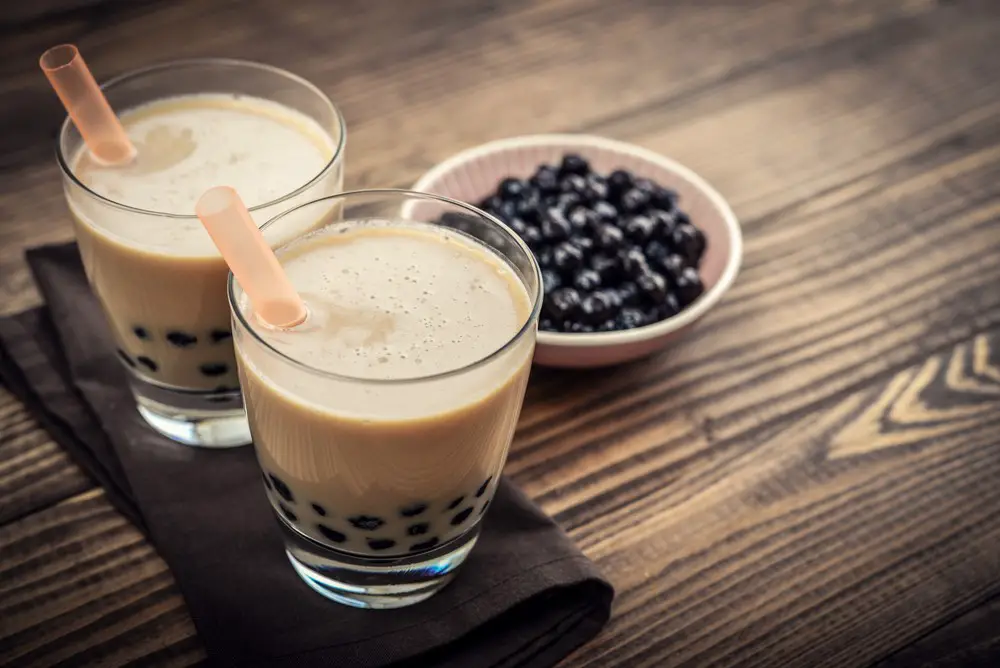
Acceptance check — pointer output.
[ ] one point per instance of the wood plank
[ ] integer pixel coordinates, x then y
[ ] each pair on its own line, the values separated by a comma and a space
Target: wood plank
34, 471
27, 16
970, 641
79, 584
777, 140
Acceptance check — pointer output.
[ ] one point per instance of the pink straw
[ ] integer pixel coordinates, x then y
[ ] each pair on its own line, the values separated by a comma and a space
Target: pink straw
251, 260
93, 117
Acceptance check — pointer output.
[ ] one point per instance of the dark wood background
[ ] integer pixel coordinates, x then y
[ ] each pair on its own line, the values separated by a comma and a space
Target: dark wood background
811, 479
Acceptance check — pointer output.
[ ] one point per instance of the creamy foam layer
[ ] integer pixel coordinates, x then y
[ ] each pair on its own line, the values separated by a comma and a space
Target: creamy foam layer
188, 144
395, 301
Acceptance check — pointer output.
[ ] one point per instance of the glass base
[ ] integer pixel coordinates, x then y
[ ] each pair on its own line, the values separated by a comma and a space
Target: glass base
362, 582
201, 419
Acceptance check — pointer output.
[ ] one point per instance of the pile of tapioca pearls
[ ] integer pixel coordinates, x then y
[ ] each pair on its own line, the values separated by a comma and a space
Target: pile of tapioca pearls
182, 340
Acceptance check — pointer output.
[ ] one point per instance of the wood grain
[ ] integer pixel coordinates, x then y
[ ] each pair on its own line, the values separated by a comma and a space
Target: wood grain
34, 471
972, 640
97, 593
810, 479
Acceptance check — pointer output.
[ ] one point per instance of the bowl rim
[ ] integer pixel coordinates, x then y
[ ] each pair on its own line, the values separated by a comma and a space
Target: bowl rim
583, 141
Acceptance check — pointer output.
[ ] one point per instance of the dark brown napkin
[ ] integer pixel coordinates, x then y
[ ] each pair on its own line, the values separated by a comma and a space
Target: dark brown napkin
525, 597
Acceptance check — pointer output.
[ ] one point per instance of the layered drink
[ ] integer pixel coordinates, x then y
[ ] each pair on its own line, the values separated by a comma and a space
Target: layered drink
149, 260
383, 421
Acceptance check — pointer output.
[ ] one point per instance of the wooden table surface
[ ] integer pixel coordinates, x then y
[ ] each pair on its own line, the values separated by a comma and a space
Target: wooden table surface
811, 479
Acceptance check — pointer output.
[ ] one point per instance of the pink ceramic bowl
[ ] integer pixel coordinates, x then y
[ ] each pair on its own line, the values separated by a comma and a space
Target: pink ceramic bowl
473, 174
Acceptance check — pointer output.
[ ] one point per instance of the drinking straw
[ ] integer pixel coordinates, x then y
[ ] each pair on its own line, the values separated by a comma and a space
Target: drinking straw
85, 103
251, 260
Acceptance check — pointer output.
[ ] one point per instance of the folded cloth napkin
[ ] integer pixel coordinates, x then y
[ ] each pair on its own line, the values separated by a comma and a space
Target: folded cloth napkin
525, 597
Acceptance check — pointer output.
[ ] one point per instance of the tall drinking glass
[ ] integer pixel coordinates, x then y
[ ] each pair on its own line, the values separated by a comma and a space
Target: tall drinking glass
273, 136
382, 422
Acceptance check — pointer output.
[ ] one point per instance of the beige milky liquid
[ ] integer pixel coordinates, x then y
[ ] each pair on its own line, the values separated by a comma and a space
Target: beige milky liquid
370, 465
159, 277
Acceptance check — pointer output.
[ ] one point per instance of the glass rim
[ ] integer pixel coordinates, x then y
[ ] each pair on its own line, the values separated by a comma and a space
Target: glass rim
125, 77
532, 317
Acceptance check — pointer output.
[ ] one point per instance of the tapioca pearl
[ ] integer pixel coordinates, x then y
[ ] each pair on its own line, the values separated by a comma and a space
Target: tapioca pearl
219, 335
289, 515
381, 543
425, 545
124, 357
267, 481
212, 369
482, 488
461, 517
181, 339
319, 510
456, 503
485, 506
413, 510
147, 362
141, 332
365, 522
281, 488
331, 535
418, 529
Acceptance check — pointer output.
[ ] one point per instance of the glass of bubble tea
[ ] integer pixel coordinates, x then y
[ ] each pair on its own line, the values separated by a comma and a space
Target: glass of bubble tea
195, 124
383, 421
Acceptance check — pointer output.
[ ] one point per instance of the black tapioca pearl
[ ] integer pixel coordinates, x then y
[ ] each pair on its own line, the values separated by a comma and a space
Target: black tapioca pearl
219, 335
319, 510
482, 488
141, 332
214, 368
331, 535
281, 488
381, 543
124, 357
181, 339
267, 481
687, 286
413, 510
573, 164
292, 517
456, 503
461, 517
147, 362
485, 506
634, 200
365, 522
418, 529
425, 545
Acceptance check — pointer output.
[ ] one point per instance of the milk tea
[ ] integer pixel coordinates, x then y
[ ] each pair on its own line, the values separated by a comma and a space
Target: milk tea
361, 451
159, 277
